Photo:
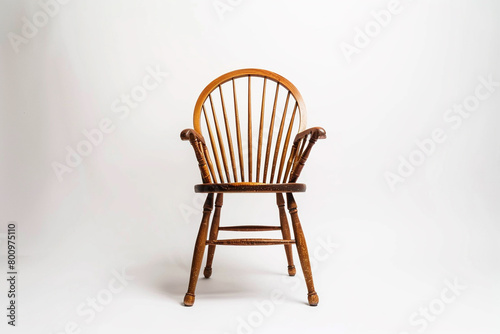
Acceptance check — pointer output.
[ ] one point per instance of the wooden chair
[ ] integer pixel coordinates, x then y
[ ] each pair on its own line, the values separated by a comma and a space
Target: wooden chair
263, 110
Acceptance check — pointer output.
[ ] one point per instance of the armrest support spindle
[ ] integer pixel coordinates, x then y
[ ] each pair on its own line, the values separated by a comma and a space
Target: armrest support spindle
300, 159
200, 150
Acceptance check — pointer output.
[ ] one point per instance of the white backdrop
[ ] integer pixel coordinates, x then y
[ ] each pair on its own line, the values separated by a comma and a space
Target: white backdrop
401, 212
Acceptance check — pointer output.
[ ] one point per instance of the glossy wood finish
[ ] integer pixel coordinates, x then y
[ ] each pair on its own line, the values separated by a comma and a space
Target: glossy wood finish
300, 240
250, 228
249, 72
214, 231
199, 249
225, 167
241, 187
250, 242
220, 116
285, 231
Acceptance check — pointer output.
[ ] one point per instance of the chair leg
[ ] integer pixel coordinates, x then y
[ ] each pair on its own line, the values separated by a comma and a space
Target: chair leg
300, 242
214, 231
285, 231
199, 249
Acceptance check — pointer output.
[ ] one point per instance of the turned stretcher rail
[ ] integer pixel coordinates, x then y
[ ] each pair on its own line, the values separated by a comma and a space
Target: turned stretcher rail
249, 242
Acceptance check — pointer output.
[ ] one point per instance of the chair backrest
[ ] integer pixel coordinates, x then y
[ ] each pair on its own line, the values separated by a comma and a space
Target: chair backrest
250, 116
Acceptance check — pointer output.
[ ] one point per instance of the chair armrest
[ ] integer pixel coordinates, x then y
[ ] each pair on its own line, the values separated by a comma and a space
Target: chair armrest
201, 152
316, 132
300, 152
187, 134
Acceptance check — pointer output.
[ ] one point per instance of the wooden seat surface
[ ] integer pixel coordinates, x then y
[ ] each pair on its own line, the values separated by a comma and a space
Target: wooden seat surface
249, 187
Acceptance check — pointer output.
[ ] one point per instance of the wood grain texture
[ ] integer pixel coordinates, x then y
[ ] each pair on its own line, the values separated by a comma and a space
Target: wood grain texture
285, 231
214, 231
300, 240
277, 168
285, 146
196, 140
220, 140
250, 228
228, 135
214, 148
199, 249
278, 139
249, 187
249, 129
261, 129
270, 134
249, 242
314, 134
224, 155
245, 73
238, 132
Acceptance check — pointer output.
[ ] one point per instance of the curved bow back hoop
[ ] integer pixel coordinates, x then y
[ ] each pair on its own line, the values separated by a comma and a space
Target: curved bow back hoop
249, 116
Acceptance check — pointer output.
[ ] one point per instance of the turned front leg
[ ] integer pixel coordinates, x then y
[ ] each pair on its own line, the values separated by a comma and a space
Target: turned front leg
214, 231
300, 242
199, 249
285, 231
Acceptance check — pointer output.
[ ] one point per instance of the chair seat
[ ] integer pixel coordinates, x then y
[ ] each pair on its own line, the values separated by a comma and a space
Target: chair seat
249, 187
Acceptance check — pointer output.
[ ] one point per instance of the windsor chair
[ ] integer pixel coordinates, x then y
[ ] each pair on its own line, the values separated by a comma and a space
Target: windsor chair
280, 112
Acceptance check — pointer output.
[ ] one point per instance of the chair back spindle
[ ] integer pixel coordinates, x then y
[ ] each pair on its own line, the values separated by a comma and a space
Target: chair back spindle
282, 114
